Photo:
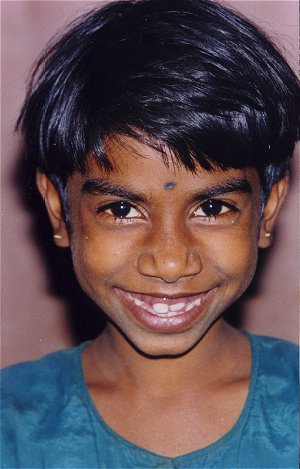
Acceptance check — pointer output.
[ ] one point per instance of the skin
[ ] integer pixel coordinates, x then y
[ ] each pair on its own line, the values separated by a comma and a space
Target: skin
194, 372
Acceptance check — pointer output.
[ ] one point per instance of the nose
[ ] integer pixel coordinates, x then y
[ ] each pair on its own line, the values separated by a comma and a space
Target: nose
169, 256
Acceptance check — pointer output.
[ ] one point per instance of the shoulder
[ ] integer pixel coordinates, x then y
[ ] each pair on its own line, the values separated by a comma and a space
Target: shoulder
275, 345
277, 363
29, 384
276, 355
41, 406
271, 432
276, 385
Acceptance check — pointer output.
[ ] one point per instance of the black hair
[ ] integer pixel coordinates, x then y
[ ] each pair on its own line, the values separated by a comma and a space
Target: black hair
189, 75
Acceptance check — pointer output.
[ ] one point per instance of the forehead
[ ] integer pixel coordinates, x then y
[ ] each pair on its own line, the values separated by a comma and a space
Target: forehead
138, 165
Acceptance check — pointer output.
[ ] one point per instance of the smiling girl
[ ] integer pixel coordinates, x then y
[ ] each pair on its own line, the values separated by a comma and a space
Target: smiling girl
162, 133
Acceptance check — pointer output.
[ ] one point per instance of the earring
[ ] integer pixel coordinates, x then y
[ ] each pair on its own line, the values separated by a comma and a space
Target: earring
57, 236
268, 234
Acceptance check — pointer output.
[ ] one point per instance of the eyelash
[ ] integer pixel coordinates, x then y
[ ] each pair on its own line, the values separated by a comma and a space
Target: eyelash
219, 205
213, 204
119, 219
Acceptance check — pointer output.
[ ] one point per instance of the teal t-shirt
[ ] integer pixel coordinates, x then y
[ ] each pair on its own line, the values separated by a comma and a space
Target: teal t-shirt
49, 420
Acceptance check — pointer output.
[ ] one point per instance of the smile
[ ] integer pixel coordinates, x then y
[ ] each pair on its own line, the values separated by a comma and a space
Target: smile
164, 307
166, 313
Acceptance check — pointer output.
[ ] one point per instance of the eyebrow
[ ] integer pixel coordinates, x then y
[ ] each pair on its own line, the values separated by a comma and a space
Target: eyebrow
105, 187
235, 185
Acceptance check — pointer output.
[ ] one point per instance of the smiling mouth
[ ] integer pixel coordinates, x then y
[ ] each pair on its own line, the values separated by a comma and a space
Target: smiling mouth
164, 307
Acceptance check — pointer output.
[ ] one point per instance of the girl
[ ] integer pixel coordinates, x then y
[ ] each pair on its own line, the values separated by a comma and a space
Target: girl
162, 134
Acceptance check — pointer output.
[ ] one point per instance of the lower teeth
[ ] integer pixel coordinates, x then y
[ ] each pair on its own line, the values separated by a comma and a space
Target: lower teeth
168, 314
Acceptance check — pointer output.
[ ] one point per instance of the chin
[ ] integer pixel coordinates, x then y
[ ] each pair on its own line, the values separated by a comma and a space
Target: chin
166, 345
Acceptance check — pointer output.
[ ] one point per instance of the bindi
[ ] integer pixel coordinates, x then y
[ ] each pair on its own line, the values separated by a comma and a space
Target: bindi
169, 185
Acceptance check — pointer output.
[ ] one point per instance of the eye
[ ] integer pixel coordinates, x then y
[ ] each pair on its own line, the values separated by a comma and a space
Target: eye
119, 210
213, 208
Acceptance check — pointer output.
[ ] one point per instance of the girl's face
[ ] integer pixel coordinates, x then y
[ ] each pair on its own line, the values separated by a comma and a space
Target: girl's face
161, 250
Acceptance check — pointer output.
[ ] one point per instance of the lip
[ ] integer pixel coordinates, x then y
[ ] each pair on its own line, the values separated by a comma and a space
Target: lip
165, 313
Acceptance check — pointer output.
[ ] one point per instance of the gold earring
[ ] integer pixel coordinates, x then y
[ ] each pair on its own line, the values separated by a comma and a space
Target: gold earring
268, 234
57, 236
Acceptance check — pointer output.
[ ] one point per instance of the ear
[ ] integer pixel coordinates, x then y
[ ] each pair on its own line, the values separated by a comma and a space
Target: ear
271, 210
54, 207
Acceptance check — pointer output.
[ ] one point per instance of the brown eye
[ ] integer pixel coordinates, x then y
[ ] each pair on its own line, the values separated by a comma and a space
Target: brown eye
212, 207
120, 209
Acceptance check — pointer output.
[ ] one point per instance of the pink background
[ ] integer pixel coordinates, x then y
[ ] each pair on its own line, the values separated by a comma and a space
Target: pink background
36, 317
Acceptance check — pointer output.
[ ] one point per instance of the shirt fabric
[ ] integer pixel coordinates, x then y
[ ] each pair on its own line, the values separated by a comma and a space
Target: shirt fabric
49, 420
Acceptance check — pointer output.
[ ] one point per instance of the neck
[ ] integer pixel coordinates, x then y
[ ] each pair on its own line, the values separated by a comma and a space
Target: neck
113, 359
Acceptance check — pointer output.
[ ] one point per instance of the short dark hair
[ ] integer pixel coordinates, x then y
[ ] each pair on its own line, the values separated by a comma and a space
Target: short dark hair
189, 75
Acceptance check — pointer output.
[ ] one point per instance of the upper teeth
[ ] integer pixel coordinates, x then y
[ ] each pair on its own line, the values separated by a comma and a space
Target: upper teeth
177, 306
160, 307
138, 302
163, 309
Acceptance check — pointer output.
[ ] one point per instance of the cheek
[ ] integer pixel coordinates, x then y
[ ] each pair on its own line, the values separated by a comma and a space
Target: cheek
235, 255
98, 255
